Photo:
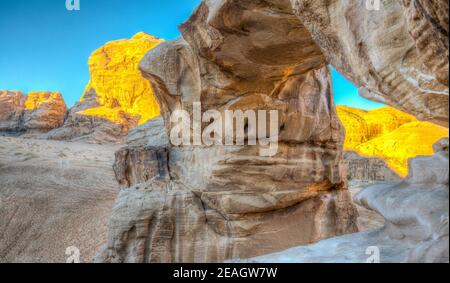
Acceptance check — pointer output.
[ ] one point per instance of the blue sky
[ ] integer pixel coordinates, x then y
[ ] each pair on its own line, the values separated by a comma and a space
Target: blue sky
46, 47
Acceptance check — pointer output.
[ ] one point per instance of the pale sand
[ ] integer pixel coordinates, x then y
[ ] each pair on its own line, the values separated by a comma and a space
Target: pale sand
54, 195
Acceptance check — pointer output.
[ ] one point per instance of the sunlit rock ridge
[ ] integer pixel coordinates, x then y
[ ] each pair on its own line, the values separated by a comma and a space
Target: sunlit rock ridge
35, 113
389, 134
117, 97
116, 80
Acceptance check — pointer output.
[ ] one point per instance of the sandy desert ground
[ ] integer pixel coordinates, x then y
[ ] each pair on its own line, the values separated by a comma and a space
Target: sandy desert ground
54, 195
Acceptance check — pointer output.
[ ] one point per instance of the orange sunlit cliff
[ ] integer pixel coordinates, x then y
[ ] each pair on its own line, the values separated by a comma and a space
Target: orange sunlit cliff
389, 134
117, 82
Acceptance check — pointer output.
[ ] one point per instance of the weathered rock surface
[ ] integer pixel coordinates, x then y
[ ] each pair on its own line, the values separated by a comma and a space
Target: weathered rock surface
12, 108
397, 55
117, 98
417, 221
368, 168
54, 195
79, 127
212, 203
216, 203
153, 133
117, 83
35, 113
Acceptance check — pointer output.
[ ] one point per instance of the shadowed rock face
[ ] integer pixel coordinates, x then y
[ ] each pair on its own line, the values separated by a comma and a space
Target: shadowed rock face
397, 55
368, 168
35, 113
208, 204
416, 215
90, 128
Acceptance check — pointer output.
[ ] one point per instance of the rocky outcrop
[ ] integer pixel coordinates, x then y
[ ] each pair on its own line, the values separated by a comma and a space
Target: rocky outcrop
212, 203
153, 132
368, 168
117, 98
35, 113
397, 55
417, 221
12, 108
79, 127
386, 134
362, 126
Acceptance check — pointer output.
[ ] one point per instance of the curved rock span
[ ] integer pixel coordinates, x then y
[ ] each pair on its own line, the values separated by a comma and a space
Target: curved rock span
209, 204
397, 55
213, 203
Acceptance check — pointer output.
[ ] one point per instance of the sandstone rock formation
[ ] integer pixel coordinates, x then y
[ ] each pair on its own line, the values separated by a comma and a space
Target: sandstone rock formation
79, 127
417, 221
410, 140
397, 55
387, 134
368, 168
117, 83
212, 203
362, 126
54, 195
117, 98
35, 113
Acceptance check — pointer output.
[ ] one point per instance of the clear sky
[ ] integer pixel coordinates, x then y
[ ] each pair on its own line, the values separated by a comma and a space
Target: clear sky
45, 47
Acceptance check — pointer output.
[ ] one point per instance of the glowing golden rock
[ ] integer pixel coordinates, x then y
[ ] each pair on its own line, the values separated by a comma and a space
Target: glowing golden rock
35, 99
118, 83
389, 134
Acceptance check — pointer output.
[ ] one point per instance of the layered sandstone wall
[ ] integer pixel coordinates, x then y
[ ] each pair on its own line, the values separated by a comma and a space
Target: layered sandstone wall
212, 203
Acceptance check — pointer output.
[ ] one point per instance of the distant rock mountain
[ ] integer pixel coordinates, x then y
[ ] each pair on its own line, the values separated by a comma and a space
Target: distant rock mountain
117, 97
35, 113
388, 134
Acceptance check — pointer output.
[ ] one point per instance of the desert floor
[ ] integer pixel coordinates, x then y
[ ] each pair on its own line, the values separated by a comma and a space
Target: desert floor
54, 195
